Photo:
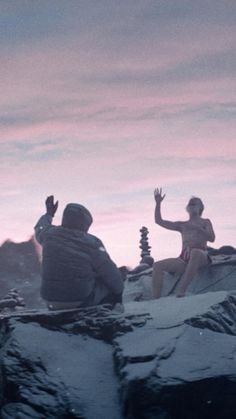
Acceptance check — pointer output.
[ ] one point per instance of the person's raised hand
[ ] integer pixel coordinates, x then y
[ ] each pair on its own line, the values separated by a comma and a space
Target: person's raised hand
158, 195
51, 206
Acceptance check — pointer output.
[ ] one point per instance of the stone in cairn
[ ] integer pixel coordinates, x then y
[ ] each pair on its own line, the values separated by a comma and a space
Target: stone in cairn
144, 245
146, 259
12, 300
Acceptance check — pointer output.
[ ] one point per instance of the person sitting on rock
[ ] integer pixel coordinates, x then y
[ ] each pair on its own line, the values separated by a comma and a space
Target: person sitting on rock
195, 234
76, 269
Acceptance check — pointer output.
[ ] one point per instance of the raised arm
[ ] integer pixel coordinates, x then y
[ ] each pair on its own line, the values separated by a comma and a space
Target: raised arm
42, 227
170, 225
45, 222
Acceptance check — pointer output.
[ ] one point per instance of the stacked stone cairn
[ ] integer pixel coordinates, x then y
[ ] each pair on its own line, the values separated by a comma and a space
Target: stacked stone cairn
12, 300
144, 244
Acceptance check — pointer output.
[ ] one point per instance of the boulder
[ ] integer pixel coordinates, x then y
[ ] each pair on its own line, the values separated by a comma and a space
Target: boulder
11, 301
219, 276
20, 268
172, 358
180, 364
60, 364
223, 250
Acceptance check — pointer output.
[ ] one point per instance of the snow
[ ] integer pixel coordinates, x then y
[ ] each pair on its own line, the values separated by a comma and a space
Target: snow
172, 311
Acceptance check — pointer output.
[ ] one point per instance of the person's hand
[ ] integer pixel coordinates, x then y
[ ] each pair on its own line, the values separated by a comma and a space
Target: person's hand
158, 195
50, 206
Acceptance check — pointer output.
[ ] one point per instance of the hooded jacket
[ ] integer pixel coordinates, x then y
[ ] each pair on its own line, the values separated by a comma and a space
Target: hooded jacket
75, 264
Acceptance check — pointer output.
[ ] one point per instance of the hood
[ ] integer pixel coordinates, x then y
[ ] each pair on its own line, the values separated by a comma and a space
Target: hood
76, 216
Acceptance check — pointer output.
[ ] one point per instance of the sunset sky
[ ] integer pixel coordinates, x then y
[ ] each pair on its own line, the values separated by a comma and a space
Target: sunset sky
102, 101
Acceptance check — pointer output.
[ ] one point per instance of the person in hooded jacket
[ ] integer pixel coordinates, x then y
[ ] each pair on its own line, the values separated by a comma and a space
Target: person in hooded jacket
76, 269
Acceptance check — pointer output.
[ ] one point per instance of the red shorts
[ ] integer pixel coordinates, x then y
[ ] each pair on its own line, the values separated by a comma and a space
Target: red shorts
185, 254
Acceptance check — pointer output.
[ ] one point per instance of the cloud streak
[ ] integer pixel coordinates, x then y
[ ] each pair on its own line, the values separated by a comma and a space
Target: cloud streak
101, 103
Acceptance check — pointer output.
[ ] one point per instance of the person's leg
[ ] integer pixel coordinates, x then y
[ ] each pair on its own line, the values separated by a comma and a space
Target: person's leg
198, 258
175, 265
103, 295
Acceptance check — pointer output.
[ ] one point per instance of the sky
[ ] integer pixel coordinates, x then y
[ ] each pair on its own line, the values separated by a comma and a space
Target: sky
103, 101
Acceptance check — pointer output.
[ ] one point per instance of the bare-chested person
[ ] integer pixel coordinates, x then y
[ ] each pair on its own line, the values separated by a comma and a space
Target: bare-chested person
195, 234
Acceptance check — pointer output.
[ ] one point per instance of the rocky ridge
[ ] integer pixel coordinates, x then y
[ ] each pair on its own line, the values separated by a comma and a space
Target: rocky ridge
171, 358
160, 359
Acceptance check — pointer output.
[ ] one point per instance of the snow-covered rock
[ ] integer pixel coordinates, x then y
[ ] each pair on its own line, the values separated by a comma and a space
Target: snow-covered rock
182, 363
172, 358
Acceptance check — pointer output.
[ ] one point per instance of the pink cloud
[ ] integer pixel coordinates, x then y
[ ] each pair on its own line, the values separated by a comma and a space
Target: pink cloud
118, 132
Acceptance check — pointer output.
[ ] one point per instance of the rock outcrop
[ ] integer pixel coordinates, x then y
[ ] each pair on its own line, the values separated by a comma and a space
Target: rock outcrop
219, 276
20, 269
19, 259
11, 301
172, 358
181, 364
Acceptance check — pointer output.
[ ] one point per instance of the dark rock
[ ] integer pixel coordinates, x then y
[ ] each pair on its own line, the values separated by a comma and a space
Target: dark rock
19, 259
148, 260
20, 269
223, 250
55, 370
170, 358
124, 272
20, 411
219, 318
173, 369
11, 300
60, 364
187, 381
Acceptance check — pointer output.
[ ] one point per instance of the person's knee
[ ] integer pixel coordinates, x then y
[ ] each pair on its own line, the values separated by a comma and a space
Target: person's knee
158, 266
197, 255
196, 252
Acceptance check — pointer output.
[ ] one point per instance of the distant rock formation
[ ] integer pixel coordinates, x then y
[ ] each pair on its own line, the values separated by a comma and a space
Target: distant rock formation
19, 259
164, 359
223, 250
20, 269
